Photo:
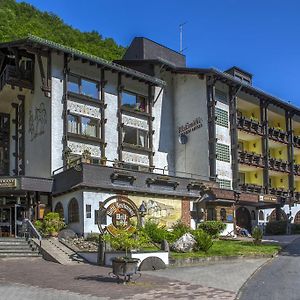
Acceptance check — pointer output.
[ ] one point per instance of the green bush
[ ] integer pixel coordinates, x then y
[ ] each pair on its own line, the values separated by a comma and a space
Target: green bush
295, 228
92, 237
257, 235
213, 228
203, 240
276, 227
126, 241
51, 224
178, 230
155, 233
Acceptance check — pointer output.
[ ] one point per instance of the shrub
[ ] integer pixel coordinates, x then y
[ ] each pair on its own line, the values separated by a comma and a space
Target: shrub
276, 227
257, 234
126, 241
155, 233
92, 237
178, 230
213, 228
51, 224
203, 240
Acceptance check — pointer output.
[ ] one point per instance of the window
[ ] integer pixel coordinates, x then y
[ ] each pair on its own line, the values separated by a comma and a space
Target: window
84, 126
103, 218
135, 136
224, 184
253, 215
89, 127
261, 215
88, 211
211, 214
59, 209
83, 86
73, 211
89, 88
73, 124
134, 101
220, 96
221, 117
223, 215
222, 152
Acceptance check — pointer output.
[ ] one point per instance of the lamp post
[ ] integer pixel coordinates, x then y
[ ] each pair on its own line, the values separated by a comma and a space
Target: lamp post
142, 212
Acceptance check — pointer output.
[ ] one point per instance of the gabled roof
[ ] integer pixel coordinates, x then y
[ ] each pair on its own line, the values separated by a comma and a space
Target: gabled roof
38, 42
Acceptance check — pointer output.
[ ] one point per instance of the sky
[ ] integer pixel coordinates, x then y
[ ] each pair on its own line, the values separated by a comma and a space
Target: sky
259, 36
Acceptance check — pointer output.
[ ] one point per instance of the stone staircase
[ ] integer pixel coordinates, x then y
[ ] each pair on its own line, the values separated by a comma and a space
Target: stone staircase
17, 247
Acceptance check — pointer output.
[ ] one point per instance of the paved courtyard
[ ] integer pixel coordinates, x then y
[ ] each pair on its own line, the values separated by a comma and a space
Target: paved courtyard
35, 279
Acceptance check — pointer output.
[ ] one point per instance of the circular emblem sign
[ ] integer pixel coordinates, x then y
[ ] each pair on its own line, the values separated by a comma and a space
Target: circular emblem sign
120, 211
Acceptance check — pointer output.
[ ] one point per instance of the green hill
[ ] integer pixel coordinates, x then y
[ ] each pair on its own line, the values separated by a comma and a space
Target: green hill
17, 20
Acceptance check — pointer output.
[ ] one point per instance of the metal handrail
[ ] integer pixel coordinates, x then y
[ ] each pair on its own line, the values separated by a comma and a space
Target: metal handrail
119, 165
30, 231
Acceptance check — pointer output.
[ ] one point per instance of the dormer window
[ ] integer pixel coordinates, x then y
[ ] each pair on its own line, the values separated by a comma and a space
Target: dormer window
240, 74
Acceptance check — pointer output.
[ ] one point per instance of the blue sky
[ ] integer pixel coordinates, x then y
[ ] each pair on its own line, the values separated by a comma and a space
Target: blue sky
260, 36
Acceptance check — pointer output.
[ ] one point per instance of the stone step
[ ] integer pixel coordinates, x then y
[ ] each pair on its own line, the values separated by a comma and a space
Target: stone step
31, 254
20, 247
14, 250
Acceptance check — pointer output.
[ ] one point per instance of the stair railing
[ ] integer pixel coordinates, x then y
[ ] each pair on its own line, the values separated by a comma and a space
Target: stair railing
31, 232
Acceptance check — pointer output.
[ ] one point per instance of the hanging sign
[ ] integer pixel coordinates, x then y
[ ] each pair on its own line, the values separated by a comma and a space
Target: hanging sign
8, 183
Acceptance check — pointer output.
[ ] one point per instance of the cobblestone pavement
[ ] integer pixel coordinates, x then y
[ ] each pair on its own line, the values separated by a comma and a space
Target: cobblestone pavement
35, 279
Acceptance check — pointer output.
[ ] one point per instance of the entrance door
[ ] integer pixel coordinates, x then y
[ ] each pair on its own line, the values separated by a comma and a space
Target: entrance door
5, 221
20, 211
243, 218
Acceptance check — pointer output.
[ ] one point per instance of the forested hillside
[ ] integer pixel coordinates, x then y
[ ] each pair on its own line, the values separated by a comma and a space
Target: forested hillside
17, 20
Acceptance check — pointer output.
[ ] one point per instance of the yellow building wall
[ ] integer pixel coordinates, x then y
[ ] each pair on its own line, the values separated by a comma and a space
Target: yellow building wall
163, 211
297, 186
279, 153
278, 122
280, 182
296, 129
253, 114
253, 146
255, 177
297, 159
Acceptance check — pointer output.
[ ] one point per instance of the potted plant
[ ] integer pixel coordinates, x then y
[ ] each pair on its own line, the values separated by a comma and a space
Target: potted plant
51, 224
128, 241
103, 160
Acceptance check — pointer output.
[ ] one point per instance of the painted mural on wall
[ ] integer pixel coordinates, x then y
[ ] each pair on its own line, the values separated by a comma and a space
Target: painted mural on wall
165, 212
37, 121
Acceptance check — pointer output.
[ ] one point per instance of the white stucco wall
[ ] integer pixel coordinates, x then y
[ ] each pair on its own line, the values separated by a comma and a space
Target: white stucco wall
191, 103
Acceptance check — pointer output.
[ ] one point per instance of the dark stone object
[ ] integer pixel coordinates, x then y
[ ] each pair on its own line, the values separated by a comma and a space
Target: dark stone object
164, 246
152, 263
67, 234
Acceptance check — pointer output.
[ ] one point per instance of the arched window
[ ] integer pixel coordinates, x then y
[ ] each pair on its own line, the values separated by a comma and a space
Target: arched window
283, 216
261, 215
59, 209
253, 215
297, 218
223, 214
73, 211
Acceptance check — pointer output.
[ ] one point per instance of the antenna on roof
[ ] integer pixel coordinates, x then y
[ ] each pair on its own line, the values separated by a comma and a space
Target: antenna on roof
181, 37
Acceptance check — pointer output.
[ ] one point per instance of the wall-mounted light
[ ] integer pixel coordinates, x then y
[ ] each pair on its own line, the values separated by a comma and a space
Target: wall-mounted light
281, 180
254, 145
255, 175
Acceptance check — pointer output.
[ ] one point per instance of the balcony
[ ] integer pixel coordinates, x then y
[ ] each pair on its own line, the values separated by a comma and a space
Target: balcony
251, 159
278, 192
10, 76
251, 188
249, 125
297, 170
278, 165
278, 135
296, 141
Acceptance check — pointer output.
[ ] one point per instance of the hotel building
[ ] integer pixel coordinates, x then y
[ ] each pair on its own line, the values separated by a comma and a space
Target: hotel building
190, 144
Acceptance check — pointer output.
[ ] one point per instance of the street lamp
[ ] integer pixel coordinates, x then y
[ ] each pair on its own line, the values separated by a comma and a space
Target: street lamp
142, 212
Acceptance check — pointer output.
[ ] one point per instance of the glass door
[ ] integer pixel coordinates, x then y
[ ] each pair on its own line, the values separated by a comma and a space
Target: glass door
5, 222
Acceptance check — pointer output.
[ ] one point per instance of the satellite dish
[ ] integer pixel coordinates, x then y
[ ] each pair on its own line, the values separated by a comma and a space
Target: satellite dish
183, 139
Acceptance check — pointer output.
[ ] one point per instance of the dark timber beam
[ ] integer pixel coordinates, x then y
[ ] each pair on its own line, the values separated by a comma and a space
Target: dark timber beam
289, 128
264, 103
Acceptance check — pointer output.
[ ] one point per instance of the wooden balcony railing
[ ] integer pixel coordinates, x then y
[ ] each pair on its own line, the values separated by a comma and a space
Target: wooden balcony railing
252, 188
249, 125
251, 158
297, 170
278, 165
296, 141
278, 135
10, 76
